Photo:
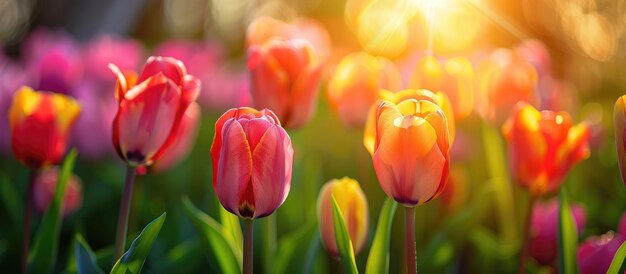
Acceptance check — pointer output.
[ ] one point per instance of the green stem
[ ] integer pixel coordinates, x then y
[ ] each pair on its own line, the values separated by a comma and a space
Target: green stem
28, 211
526, 235
247, 246
122, 220
409, 240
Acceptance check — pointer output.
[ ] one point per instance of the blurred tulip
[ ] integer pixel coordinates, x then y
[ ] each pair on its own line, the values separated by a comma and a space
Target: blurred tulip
535, 52
151, 107
503, 79
543, 146
12, 77
619, 123
356, 83
454, 77
455, 193
440, 99
544, 230
45, 187
285, 76
40, 124
596, 253
411, 150
186, 138
353, 205
252, 162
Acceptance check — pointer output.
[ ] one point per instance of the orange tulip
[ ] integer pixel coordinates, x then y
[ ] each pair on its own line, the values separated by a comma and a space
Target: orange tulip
151, 108
543, 146
440, 99
454, 77
353, 206
355, 85
285, 76
411, 150
619, 122
45, 186
252, 160
40, 123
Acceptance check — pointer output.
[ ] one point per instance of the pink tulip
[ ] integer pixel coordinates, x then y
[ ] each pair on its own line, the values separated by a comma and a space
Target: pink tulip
252, 161
44, 188
187, 133
151, 111
596, 253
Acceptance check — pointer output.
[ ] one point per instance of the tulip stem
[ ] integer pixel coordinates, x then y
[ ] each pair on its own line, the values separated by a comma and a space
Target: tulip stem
525, 239
247, 246
28, 211
409, 240
122, 219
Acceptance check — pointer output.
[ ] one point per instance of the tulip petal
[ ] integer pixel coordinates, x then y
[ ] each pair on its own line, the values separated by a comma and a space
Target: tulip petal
619, 123
125, 80
292, 55
303, 97
269, 82
172, 68
190, 90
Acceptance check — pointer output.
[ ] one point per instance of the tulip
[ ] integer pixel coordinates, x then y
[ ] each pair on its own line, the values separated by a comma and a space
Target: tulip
544, 230
151, 107
45, 187
355, 85
285, 75
40, 123
252, 161
455, 193
619, 123
186, 136
596, 253
438, 98
353, 206
543, 146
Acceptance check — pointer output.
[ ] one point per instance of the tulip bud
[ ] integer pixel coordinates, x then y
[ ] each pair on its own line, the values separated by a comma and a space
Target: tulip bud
355, 85
40, 123
619, 122
151, 108
285, 76
543, 146
353, 206
440, 99
596, 253
252, 159
544, 230
44, 189
411, 150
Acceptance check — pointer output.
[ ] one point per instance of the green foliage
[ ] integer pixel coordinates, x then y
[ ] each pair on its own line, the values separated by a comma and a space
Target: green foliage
132, 261
618, 260
342, 238
568, 237
85, 259
378, 259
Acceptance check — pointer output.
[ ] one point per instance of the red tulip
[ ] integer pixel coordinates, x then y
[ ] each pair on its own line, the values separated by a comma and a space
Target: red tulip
411, 150
45, 186
151, 108
543, 146
252, 159
285, 76
186, 137
596, 253
40, 123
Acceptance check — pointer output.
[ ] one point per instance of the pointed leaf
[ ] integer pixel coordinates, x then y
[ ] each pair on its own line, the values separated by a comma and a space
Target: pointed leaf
232, 227
618, 260
344, 245
216, 244
568, 238
378, 259
85, 259
43, 255
132, 261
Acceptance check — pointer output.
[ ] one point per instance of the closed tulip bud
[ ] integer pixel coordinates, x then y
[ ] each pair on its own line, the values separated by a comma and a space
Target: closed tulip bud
438, 98
353, 206
544, 230
40, 123
543, 146
411, 150
595, 254
44, 189
151, 108
619, 120
252, 159
285, 76
355, 85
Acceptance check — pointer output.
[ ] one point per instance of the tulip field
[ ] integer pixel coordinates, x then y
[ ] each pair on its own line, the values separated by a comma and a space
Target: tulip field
274, 136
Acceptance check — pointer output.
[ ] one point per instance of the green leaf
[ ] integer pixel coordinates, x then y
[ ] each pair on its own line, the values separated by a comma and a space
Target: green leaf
378, 259
568, 238
292, 247
618, 260
230, 224
11, 199
85, 259
219, 248
342, 238
42, 257
132, 261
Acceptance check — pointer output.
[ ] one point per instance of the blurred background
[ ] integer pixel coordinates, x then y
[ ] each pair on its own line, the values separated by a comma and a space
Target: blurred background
575, 48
